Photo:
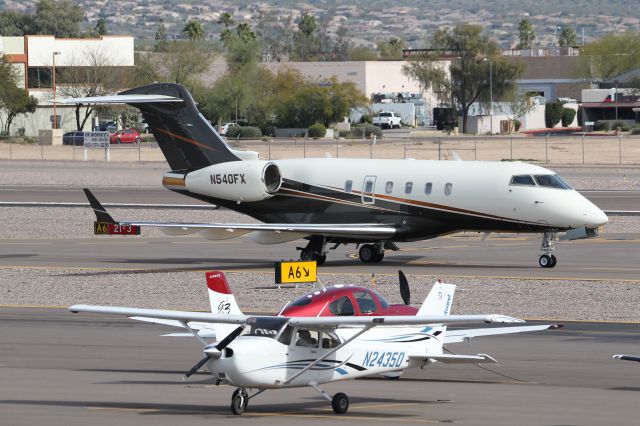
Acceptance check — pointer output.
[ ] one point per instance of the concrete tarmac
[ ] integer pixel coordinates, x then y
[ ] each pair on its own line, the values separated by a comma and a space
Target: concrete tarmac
609, 257
58, 368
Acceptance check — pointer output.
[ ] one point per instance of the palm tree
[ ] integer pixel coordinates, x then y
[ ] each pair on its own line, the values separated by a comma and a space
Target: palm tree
193, 30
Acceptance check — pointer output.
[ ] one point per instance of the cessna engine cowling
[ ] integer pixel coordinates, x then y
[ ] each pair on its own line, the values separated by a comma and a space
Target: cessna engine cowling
237, 180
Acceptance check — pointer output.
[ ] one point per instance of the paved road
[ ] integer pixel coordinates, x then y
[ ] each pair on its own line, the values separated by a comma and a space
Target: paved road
609, 257
606, 200
58, 368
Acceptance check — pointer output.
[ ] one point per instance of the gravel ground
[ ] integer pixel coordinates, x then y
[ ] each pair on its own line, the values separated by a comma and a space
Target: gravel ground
256, 292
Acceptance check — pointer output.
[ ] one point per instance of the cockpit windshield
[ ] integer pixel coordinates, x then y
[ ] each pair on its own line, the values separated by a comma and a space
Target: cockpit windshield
267, 327
301, 301
551, 181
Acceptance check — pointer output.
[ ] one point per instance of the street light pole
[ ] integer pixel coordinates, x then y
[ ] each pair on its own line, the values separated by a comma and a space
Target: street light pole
55, 117
490, 93
615, 98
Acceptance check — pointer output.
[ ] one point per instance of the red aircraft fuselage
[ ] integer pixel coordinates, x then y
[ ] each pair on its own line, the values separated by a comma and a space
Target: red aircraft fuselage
344, 300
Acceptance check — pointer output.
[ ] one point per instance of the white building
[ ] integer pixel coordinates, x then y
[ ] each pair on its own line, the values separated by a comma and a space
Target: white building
34, 57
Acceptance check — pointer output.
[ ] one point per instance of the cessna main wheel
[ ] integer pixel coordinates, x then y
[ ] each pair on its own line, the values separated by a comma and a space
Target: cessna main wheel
340, 403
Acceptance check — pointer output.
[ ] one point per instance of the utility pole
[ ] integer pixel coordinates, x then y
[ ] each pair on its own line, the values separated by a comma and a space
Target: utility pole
55, 117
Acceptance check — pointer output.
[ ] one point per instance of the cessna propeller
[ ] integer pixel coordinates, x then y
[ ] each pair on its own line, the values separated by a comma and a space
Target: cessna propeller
214, 351
405, 293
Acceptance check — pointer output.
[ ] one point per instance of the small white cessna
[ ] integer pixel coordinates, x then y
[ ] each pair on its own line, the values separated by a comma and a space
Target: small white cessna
332, 201
272, 352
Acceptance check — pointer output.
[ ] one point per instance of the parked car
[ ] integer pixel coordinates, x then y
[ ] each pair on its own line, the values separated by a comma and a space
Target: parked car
387, 119
126, 136
107, 126
73, 138
225, 127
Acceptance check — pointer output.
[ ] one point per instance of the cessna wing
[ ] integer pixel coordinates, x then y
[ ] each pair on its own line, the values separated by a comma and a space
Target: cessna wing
264, 233
627, 357
456, 359
458, 336
310, 322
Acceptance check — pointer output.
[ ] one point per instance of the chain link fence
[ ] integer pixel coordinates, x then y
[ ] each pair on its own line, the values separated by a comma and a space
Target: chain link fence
582, 149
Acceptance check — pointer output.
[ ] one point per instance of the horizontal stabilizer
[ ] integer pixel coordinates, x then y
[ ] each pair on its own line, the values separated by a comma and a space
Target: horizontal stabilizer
458, 336
627, 357
460, 359
120, 99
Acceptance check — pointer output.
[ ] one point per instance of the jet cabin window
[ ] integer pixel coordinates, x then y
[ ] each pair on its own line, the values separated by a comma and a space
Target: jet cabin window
551, 181
427, 188
448, 187
347, 186
522, 180
342, 307
408, 187
388, 187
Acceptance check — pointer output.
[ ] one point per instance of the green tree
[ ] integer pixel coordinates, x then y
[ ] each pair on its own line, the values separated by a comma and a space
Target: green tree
14, 23
60, 18
392, 48
182, 62
227, 20
611, 55
362, 53
526, 34
552, 113
13, 99
478, 74
567, 37
160, 38
101, 27
305, 41
193, 30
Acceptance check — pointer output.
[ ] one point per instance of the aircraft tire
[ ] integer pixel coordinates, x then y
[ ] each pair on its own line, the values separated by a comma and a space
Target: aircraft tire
307, 255
554, 261
239, 401
367, 253
545, 261
340, 403
379, 257
321, 259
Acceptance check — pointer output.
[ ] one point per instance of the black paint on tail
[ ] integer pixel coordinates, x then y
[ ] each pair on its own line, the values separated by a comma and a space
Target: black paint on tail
188, 141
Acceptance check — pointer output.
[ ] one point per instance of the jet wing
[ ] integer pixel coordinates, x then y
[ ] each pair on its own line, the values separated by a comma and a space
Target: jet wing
223, 231
627, 357
458, 336
311, 322
119, 99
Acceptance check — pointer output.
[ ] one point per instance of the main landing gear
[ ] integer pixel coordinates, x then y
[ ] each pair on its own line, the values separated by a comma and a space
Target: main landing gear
316, 250
371, 253
547, 258
240, 399
339, 401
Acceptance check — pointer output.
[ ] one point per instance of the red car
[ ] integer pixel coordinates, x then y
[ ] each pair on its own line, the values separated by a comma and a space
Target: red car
126, 136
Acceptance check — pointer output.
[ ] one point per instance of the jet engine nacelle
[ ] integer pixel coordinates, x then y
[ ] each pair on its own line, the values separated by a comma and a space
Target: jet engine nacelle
237, 180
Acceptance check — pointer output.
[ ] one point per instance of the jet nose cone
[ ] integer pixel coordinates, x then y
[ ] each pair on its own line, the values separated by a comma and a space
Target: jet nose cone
595, 218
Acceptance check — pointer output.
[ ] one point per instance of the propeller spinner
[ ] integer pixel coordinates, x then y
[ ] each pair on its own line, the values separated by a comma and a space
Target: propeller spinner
214, 352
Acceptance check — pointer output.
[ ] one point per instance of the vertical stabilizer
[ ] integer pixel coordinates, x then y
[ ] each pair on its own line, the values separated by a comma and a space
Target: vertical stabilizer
220, 296
439, 300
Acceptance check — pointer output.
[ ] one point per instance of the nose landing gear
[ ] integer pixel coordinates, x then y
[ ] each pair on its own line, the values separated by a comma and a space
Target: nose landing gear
547, 258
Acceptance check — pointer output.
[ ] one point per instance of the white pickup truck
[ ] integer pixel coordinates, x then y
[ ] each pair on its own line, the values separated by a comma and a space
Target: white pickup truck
387, 119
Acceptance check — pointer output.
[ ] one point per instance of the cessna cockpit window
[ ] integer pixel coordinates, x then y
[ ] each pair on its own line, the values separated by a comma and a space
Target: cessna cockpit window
365, 302
347, 186
551, 181
267, 327
522, 180
382, 300
342, 307
301, 301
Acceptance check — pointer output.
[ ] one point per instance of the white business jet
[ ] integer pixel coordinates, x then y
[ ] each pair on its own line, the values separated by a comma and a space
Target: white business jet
330, 201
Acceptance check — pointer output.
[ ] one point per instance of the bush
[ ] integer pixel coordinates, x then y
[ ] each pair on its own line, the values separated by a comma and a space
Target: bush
568, 115
372, 130
552, 113
619, 125
599, 125
516, 125
270, 131
366, 118
635, 130
248, 132
317, 131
